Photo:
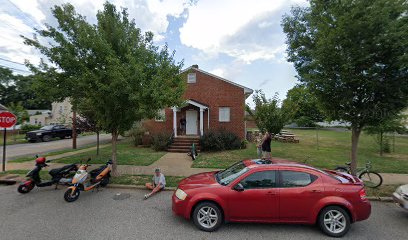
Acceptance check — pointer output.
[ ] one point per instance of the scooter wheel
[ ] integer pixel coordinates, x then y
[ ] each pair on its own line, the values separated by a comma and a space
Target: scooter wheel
23, 189
70, 196
105, 181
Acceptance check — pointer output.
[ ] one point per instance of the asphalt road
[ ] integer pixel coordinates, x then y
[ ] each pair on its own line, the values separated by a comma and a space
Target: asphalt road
43, 214
27, 149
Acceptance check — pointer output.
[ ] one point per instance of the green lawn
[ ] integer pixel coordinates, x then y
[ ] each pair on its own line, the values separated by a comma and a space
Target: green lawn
127, 155
13, 139
334, 150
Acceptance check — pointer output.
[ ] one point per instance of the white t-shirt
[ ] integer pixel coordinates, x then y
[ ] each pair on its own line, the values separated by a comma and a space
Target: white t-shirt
159, 180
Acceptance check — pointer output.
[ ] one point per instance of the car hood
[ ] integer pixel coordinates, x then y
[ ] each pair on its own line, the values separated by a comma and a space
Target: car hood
199, 180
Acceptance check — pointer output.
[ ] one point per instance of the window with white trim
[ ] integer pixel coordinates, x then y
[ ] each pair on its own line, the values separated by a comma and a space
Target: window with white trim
224, 114
161, 116
191, 78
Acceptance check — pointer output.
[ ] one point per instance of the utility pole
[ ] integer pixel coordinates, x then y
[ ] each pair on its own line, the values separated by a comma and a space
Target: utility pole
74, 132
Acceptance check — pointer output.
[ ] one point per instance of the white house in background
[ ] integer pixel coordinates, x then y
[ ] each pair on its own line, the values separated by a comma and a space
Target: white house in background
405, 113
61, 113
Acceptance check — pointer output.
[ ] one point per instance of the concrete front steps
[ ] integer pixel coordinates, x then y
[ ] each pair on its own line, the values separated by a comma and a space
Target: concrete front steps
182, 144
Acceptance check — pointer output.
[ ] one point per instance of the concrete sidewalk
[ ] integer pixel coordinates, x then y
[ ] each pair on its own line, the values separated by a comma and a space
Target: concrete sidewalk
172, 164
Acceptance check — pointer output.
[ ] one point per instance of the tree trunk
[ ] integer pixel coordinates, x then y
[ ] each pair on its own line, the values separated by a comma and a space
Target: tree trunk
381, 143
355, 136
97, 143
74, 132
114, 159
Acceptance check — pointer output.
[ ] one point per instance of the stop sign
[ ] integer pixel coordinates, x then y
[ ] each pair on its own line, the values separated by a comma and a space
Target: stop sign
7, 119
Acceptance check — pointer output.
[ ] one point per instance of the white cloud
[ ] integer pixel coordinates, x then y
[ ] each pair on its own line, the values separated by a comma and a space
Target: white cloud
218, 72
11, 44
244, 29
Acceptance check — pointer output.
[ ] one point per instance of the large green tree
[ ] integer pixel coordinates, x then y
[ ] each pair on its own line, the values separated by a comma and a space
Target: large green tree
352, 54
268, 114
18, 88
112, 65
305, 106
19, 111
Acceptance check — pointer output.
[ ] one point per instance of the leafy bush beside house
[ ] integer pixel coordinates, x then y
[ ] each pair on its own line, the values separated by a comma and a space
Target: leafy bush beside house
219, 141
28, 127
162, 141
136, 133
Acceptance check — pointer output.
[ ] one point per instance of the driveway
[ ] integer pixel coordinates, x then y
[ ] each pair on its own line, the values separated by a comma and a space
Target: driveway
30, 149
43, 214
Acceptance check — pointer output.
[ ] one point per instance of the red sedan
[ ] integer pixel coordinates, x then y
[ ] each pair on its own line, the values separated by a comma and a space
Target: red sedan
273, 192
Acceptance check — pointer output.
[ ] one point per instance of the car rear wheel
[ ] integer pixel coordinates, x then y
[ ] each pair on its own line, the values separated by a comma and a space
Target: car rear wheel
207, 216
334, 221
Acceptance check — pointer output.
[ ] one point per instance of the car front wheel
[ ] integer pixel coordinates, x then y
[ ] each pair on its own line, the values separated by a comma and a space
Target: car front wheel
207, 216
334, 221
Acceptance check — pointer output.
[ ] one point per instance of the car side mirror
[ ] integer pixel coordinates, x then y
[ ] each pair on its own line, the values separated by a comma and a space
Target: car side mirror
239, 187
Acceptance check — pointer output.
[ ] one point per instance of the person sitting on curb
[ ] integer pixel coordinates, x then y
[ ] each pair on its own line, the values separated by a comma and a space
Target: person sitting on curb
158, 184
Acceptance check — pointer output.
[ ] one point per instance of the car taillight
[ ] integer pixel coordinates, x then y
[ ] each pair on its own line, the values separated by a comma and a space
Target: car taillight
363, 195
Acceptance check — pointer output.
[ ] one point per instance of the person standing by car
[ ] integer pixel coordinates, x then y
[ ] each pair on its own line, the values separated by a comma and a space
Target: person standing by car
183, 124
266, 146
158, 183
258, 142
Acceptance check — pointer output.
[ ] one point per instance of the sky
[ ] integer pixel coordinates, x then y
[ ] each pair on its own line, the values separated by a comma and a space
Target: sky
240, 40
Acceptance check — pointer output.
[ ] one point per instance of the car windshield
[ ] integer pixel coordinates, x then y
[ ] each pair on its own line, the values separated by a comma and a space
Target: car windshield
230, 174
46, 128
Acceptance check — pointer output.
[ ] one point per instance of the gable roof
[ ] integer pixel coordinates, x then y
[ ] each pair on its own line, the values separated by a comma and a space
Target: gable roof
247, 90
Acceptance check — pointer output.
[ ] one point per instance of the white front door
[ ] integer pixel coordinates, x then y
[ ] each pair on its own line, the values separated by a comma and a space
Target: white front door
191, 122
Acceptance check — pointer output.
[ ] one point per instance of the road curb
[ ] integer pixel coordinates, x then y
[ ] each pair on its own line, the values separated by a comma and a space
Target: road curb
123, 186
381, 199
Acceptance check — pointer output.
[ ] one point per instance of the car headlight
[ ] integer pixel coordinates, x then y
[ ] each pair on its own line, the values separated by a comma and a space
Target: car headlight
38, 134
180, 194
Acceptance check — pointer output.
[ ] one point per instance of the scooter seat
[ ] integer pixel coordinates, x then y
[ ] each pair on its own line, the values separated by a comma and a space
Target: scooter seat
94, 173
56, 171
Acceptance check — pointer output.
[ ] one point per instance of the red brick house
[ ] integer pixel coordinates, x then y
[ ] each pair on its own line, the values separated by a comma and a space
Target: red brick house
211, 102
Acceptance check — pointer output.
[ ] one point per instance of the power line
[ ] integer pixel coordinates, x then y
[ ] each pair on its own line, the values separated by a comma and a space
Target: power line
27, 17
15, 69
11, 61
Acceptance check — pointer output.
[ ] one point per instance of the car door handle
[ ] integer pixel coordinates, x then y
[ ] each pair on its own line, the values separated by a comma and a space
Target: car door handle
316, 191
271, 193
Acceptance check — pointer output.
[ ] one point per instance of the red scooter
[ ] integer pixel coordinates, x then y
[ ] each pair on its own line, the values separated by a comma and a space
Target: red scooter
59, 176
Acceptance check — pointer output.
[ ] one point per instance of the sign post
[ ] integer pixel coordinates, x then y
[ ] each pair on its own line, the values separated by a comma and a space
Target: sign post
7, 120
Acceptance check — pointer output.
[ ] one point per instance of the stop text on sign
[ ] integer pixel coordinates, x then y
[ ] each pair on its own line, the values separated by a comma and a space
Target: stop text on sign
7, 119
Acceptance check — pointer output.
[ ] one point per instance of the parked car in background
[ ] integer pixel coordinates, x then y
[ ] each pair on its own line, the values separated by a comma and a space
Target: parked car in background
274, 191
400, 196
47, 133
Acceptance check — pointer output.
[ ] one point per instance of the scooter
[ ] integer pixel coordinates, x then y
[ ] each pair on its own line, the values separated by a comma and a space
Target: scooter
59, 176
193, 152
99, 177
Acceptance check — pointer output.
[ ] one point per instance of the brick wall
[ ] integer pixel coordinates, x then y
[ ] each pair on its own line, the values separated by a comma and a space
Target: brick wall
212, 92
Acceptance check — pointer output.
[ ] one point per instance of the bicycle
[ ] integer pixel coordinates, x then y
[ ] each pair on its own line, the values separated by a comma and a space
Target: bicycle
370, 178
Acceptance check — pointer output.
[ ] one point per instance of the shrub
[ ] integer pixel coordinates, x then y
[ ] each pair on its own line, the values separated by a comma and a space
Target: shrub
162, 141
244, 144
136, 133
219, 141
28, 127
